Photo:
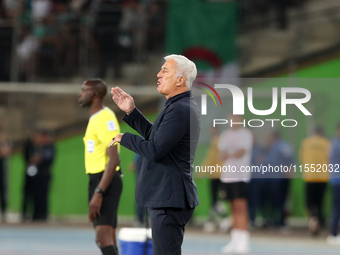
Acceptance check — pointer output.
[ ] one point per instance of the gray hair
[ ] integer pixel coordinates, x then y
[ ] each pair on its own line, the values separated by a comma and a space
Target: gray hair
185, 68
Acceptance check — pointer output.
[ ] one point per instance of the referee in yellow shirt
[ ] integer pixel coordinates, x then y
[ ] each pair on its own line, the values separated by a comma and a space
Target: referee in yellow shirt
102, 165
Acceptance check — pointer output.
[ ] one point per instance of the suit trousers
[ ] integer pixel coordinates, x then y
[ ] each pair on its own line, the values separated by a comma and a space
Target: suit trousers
168, 229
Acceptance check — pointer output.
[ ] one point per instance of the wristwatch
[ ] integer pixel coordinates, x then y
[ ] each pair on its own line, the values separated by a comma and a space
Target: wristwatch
99, 190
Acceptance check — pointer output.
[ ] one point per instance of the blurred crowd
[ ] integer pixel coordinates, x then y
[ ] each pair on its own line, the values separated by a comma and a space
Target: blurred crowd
268, 194
60, 38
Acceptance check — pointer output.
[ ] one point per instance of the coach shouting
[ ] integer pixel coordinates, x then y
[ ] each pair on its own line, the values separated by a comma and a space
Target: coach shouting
164, 183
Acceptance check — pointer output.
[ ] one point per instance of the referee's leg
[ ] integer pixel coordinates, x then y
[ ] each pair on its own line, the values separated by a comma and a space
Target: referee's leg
104, 240
168, 229
105, 225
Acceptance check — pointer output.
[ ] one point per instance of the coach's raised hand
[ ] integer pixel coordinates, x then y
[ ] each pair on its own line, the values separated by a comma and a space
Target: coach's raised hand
123, 100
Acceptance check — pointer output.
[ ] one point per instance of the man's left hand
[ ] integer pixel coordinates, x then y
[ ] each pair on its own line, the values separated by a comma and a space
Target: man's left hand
117, 139
95, 205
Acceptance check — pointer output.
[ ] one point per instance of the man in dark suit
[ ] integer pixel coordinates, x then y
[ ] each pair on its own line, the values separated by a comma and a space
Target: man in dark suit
164, 182
39, 154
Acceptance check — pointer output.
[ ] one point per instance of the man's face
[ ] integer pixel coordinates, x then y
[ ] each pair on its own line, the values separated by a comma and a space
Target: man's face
86, 95
167, 78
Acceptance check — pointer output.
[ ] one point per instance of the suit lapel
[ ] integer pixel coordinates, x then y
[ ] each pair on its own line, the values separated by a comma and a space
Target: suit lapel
157, 122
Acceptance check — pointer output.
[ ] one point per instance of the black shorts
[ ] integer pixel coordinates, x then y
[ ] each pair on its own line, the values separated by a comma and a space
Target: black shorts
235, 190
108, 211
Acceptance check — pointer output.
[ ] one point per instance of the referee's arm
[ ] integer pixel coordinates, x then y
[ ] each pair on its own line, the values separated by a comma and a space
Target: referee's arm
111, 166
96, 201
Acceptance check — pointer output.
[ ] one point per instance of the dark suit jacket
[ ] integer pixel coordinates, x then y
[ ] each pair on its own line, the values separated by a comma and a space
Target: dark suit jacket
167, 153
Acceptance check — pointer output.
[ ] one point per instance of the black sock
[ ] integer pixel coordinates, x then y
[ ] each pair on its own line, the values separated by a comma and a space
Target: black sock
109, 250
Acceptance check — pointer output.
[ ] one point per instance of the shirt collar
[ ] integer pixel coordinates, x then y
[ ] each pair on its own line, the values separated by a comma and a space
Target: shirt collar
177, 97
97, 113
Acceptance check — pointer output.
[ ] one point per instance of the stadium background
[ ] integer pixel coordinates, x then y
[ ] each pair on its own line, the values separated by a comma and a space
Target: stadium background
248, 41
68, 191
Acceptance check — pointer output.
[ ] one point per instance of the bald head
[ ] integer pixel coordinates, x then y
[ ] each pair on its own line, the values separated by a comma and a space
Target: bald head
92, 93
98, 86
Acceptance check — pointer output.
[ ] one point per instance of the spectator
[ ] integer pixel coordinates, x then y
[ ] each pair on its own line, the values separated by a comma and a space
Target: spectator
127, 25
106, 29
5, 151
278, 152
235, 146
334, 238
67, 49
133, 27
3, 10
39, 155
40, 9
156, 23
63, 11
10, 7
77, 5
24, 13
314, 153
26, 52
258, 186
48, 32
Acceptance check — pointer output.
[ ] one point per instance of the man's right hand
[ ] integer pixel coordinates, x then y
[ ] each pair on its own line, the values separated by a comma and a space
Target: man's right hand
94, 206
123, 100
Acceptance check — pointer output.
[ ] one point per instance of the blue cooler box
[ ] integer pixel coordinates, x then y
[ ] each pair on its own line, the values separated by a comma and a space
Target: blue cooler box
135, 241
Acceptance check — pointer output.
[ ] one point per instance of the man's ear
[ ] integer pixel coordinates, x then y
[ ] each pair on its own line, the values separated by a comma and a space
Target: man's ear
180, 82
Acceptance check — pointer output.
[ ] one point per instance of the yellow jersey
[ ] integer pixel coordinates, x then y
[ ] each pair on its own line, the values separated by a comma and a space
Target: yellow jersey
102, 127
213, 158
315, 150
